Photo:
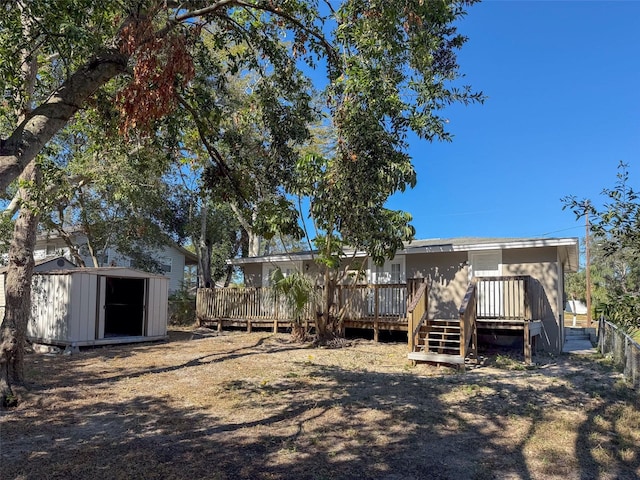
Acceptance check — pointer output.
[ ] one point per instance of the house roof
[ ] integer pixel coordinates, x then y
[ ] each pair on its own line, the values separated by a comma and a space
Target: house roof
567, 246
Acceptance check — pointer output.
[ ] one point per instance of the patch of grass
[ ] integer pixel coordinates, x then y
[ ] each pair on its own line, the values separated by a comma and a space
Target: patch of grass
506, 362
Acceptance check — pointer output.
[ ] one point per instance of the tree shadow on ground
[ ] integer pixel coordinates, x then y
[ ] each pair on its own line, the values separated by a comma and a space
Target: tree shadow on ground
321, 422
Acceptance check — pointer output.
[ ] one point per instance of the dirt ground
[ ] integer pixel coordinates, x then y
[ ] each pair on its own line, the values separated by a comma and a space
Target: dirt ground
255, 406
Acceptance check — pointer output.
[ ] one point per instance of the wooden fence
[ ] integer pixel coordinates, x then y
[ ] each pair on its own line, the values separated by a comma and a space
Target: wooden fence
622, 348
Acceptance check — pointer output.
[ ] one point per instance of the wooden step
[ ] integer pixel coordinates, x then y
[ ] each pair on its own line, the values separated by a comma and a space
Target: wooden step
442, 321
443, 335
436, 358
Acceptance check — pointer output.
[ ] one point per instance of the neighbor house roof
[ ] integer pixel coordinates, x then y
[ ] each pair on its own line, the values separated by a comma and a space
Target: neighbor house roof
569, 246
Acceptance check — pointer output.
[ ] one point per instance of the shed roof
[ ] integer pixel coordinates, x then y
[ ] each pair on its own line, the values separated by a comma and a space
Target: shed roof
106, 271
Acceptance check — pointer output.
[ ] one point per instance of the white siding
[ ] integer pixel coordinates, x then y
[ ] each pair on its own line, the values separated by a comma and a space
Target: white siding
83, 307
50, 301
157, 294
176, 275
286, 267
102, 288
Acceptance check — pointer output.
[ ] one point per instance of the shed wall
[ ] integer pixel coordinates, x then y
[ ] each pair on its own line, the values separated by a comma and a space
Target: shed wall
157, 307
65, 307
50, 308
82, 303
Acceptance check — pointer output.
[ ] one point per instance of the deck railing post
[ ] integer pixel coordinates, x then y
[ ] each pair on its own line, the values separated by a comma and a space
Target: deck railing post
376, 303
410, 327
527, 343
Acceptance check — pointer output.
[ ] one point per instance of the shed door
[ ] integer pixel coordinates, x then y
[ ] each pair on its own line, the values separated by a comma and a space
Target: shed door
490, 293
123, 306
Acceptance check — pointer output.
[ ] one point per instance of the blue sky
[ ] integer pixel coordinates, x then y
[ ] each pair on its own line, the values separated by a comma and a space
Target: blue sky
563, 85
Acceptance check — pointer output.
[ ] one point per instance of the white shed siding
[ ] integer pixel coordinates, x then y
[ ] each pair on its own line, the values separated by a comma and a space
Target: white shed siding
50, 297
102, 288
83, 307
157, 307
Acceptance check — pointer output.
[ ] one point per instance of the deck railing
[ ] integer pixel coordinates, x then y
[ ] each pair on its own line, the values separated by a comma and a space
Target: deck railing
239, 303
504, 298
351, 302
416, 314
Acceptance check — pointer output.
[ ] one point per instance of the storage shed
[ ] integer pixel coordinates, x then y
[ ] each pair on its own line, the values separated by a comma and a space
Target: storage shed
48, 264
98, 306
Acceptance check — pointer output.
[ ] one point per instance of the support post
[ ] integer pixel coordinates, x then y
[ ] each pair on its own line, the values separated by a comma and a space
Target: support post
375, 318
527, 344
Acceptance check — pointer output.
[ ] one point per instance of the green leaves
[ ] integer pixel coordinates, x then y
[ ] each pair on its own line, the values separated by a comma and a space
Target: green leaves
615, 249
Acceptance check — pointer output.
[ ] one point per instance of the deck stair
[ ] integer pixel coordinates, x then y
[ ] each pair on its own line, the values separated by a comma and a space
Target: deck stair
438, 341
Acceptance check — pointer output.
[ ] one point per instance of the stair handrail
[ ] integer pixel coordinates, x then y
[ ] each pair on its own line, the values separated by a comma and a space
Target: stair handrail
416, 314
468, 312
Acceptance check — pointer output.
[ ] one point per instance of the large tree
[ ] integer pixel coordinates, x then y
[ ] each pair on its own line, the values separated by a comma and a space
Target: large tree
389, 67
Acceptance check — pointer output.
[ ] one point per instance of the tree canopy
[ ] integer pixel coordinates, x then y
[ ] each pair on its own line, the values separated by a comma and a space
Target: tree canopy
615, 264
230, 88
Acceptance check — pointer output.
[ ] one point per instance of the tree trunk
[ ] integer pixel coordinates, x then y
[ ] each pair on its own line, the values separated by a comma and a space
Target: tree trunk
204, 252
13, 330
324, 332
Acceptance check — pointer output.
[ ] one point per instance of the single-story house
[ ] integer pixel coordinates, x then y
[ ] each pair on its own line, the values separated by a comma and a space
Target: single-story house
172, 257
98, 306
511, 284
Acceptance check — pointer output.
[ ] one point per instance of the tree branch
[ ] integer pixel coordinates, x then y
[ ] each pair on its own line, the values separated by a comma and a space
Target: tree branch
40, 125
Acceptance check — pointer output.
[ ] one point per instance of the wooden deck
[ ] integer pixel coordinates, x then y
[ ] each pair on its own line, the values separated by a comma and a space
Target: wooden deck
492, 304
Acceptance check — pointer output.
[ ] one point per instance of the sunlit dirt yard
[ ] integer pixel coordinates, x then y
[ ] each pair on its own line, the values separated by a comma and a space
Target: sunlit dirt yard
255, 406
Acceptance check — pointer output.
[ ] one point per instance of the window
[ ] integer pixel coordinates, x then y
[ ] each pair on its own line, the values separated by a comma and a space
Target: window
379, 274
166, 264
395, 273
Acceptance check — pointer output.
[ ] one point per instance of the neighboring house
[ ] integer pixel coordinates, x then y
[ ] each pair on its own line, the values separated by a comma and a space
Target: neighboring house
172, 258
577, 307
514, 285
